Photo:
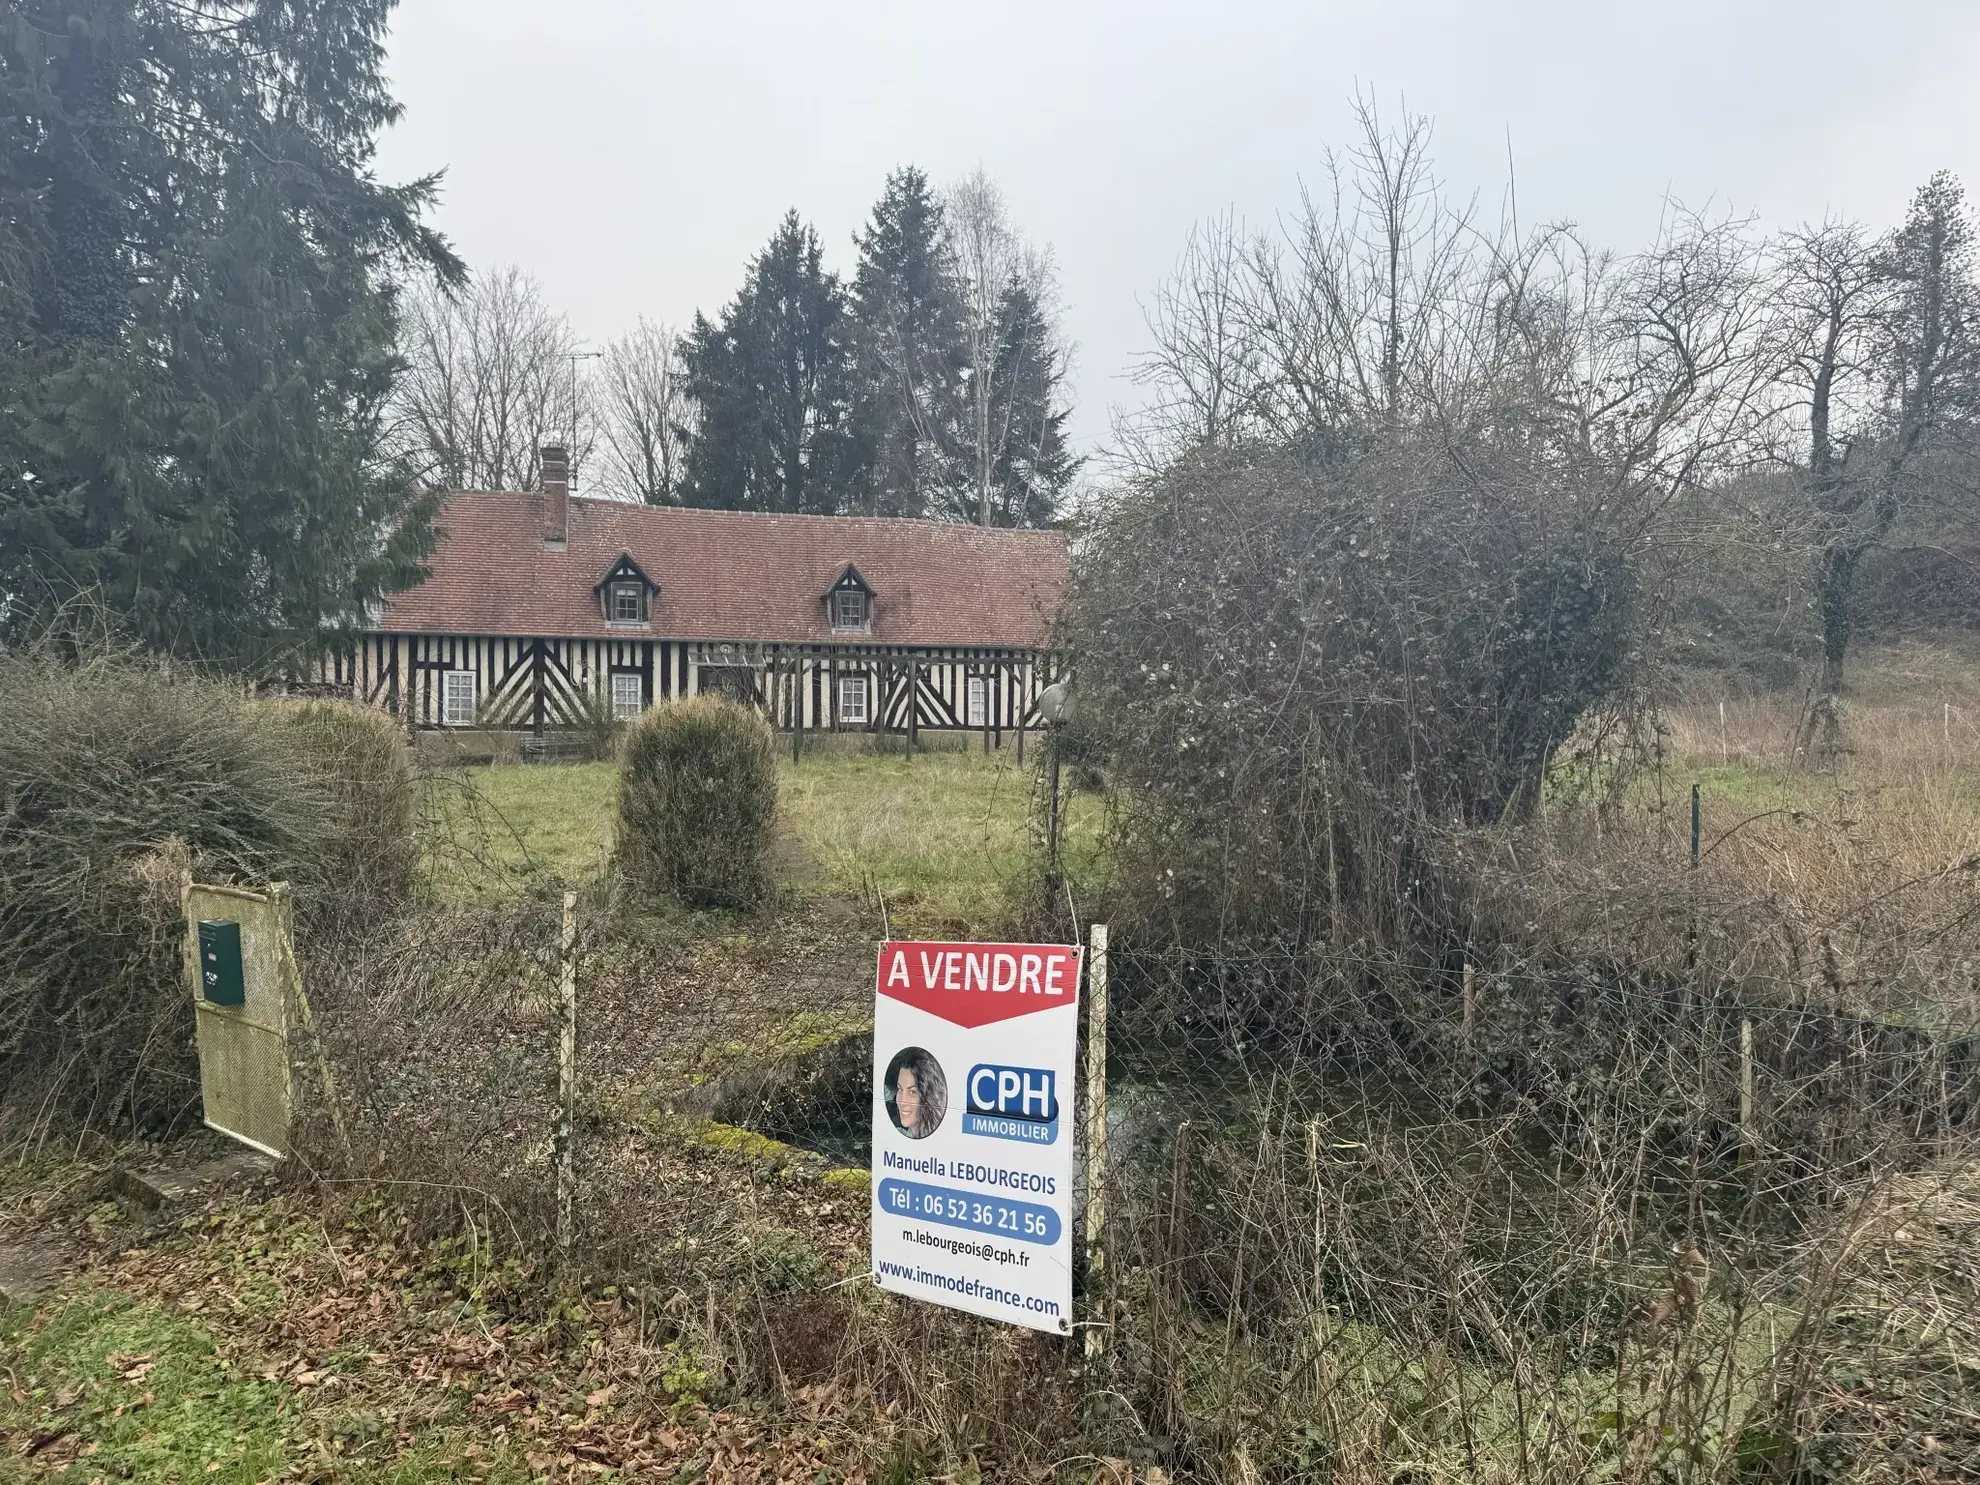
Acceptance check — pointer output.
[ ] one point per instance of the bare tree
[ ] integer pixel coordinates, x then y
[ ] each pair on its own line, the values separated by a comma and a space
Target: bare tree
1205, 370
644, 415
1876, 346
493, 374
1829, 294
1678, 387
988, 257
1360, 307
1384, 306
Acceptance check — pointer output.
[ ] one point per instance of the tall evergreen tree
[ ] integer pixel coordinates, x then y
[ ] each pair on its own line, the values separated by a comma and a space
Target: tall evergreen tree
1034, 464
196, 305
910, 342
773, 381
1023, 421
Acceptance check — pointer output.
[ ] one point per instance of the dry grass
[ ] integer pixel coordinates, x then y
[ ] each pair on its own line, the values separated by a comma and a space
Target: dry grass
1866, 877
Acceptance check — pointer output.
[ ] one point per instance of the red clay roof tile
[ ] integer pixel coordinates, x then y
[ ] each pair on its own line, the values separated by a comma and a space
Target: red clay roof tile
731, 575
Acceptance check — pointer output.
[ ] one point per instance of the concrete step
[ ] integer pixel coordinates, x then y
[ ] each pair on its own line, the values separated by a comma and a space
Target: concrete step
163, 1187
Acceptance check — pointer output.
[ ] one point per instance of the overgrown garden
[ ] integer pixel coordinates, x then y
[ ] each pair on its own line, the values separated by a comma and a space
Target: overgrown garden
1524, 747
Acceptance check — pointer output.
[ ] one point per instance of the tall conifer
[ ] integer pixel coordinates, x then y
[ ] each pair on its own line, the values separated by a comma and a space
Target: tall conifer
1034, 464
909, 340
773, 382
197, 318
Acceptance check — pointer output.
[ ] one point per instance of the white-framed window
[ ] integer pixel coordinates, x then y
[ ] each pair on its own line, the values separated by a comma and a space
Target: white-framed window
628, 695
628, 603
852, 698
848, 610
457, 698
976, 709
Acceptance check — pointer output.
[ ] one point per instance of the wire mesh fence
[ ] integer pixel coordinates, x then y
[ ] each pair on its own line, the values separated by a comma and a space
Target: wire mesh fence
1476, 1219
1470, 1213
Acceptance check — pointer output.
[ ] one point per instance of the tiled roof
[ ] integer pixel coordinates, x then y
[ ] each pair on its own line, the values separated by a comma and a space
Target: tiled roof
731, 575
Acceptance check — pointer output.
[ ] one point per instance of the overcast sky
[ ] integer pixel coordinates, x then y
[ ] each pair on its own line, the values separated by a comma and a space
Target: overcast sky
632, 154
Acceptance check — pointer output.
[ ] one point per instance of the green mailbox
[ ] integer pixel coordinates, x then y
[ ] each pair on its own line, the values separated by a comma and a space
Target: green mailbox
220, 962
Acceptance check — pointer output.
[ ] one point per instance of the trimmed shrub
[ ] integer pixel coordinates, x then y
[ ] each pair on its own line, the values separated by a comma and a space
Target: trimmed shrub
697, 796
361, 861
116, 781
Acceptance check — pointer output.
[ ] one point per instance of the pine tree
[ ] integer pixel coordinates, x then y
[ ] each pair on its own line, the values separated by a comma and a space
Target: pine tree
773, 383
1030, 462
909, 338
196, 270
1034, 465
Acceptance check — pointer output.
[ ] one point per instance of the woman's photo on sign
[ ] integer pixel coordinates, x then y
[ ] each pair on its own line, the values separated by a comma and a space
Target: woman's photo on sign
917, 1093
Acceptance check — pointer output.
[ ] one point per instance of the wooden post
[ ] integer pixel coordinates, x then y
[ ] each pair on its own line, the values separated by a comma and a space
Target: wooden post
1335, 928
913, 697
1052, 826
797, 707
567, 1074
1017, 695
1470, 1003
1749, 1139
1100, 1318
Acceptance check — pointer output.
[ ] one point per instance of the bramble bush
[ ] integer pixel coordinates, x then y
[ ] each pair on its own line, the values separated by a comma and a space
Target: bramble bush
1306, 673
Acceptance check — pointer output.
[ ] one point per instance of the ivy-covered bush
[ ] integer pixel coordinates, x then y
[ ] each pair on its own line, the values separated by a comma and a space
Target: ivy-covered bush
1306, 672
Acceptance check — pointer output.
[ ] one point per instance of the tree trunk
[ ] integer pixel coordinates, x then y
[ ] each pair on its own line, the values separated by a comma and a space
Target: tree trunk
1835, 585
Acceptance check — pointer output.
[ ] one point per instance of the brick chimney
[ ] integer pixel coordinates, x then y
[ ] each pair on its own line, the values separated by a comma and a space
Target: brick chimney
556, 463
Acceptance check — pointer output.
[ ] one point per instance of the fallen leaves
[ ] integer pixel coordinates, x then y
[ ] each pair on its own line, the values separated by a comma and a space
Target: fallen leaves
130, 1368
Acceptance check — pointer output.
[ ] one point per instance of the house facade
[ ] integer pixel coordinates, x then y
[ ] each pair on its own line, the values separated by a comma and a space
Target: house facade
542, 610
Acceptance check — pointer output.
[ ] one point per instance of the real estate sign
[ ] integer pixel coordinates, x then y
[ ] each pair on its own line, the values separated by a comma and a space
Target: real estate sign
973, 1058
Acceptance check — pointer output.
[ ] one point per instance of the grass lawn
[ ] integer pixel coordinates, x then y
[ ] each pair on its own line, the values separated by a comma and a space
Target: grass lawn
119, 1386
945, 838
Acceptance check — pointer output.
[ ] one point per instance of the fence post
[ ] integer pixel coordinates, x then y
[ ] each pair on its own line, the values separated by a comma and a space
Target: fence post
567, 1072
1098, 1282
308, 1018
1470, 992
1052, 819
1748, 1136
1691, 896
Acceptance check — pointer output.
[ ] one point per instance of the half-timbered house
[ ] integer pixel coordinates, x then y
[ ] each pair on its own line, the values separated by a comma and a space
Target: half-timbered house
542, 609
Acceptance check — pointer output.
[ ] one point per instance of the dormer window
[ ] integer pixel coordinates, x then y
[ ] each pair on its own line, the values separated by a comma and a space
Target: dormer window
848, 611
625, 595
849, 603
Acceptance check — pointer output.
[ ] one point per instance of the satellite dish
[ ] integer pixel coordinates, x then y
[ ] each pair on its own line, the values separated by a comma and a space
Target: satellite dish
1055, 704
